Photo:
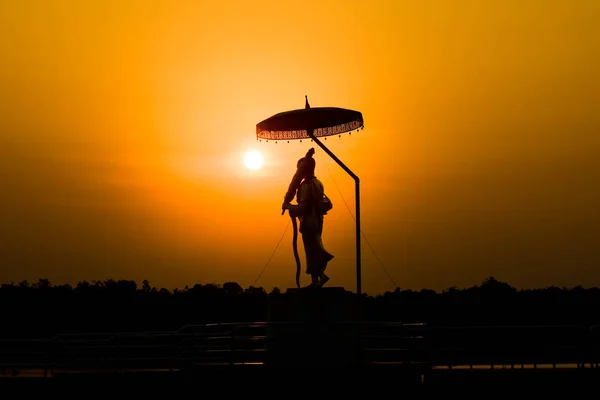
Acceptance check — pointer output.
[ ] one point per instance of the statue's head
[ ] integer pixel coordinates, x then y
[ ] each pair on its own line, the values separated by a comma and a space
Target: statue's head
306, 165
305, 168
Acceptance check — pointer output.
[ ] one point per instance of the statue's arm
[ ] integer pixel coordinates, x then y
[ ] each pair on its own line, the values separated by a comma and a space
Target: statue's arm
300, 208
293, 187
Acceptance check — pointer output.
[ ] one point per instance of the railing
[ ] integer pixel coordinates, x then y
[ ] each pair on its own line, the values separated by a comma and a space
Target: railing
251, 344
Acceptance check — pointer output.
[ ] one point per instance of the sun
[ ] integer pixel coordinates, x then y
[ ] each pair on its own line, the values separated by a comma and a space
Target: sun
253, 160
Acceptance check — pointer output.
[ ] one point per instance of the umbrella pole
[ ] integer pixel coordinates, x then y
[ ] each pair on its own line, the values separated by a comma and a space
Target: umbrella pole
357, 195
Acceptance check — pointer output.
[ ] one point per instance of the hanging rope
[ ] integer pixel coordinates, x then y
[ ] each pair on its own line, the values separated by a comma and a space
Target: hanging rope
361, 231
272, 254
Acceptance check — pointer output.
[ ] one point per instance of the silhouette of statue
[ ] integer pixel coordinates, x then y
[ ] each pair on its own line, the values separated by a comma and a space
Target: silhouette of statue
312, 205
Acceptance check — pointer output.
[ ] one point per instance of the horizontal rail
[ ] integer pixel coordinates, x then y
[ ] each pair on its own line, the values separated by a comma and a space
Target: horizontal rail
252, 342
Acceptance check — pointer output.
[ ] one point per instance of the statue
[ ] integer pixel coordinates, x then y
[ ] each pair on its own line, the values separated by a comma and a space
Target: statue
312, 206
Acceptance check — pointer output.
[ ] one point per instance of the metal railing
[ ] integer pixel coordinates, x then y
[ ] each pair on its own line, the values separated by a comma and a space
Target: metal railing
251, 344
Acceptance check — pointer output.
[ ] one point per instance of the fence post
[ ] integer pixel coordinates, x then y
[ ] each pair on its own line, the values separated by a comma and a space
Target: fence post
119, 364
232, 345
192, 349
172, 358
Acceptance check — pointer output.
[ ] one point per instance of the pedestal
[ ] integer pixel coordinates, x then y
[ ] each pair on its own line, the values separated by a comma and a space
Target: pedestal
314, 328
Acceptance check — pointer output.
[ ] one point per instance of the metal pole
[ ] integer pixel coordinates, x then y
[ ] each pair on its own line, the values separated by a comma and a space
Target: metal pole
357, 195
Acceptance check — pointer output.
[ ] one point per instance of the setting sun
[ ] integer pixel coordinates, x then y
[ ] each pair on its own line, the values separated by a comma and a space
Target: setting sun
253, 160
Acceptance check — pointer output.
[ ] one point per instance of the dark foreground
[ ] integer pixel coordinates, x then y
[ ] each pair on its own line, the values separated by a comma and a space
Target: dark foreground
307, 337
373, 377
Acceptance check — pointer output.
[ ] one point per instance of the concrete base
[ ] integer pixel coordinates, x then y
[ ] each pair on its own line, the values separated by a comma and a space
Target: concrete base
311, 305
314, 328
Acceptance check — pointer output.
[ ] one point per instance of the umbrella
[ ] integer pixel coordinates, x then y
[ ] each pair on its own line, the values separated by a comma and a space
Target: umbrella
309, 123
313, 123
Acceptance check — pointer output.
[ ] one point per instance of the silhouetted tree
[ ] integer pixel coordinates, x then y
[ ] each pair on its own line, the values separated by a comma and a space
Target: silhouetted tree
275, 291
232, 288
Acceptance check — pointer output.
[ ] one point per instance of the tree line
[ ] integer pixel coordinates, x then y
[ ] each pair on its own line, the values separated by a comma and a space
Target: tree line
43, 309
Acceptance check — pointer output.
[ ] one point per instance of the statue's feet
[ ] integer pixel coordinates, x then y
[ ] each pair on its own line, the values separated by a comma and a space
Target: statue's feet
323, 280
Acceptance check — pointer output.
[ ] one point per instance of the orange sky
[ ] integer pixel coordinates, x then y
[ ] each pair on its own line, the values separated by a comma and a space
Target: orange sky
123, 126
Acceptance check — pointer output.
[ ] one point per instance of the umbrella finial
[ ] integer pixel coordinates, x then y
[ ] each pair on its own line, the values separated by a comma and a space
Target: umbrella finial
306, 105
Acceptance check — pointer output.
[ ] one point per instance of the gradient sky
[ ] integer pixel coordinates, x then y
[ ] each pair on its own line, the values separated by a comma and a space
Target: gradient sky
123, 125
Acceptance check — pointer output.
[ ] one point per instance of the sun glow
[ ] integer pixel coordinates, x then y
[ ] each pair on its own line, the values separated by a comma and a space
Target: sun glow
253, 160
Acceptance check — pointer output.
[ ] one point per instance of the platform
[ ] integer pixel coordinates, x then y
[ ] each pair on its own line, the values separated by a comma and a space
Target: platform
305, 323
312, 305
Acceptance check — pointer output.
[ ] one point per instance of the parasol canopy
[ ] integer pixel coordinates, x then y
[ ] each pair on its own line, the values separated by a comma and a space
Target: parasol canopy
300, 123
